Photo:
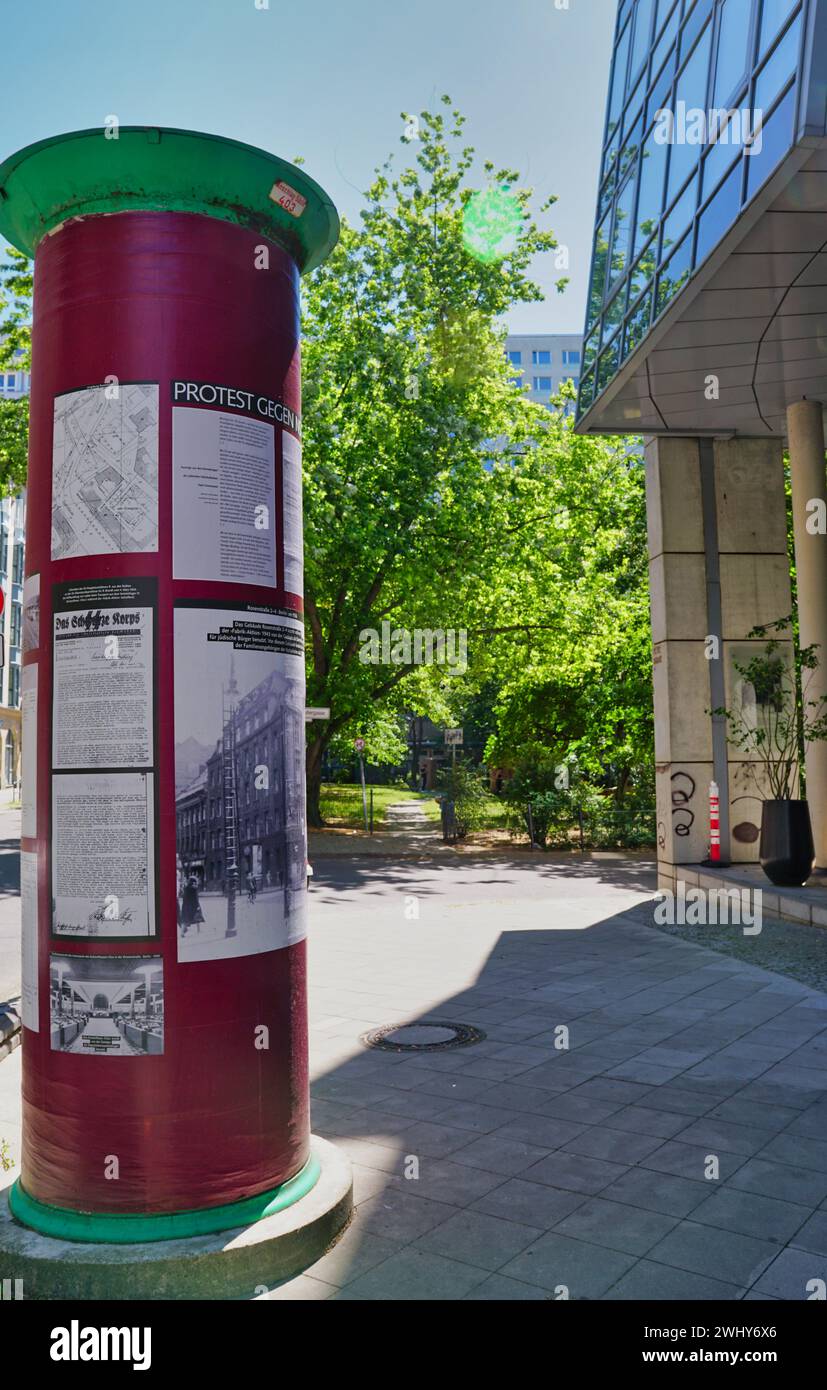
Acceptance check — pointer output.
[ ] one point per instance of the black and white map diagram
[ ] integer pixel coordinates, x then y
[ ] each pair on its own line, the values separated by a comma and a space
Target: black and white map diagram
105, 471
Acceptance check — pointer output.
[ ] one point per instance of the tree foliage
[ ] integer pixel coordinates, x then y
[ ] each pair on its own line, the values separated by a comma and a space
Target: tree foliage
404, 382
15, 352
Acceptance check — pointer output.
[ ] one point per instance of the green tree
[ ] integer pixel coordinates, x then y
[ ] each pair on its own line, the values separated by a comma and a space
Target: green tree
404, 382
15, 352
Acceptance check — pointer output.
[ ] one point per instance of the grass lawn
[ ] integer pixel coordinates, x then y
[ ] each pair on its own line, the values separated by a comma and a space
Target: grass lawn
341, 803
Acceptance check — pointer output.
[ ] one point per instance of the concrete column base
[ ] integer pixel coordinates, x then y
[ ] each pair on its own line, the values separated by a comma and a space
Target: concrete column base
240, 1263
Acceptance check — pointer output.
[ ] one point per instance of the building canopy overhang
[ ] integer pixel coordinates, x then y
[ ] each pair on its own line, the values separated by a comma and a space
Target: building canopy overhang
747, 335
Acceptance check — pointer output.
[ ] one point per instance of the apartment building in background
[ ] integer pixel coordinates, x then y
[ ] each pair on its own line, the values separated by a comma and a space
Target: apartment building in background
543, 361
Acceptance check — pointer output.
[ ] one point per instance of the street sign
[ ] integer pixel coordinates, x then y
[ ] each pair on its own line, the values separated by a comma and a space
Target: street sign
359, 745
453, 736
313, 712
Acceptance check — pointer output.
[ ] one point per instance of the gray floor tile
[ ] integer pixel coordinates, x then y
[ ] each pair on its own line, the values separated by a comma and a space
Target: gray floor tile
798, 1150
679, 1101
691, 1161
585, 1270
401, 1216
790, 1274
497, 1289
542, 1130
415, 1275
577, 1107
487, 1242
479, 1119
499, 1154
813, 1234
444, 1180
531, 1203
617, 1226
751, 1112
573, 1173
767, 1218
353, 1255
619, 1146
434, 1140
657, 1192
716, 1135
781, 1180
650, 1282
729, 1256
641, 1119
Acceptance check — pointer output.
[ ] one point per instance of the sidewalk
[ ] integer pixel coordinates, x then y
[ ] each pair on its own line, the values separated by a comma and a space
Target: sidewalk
409, 834
676, 1148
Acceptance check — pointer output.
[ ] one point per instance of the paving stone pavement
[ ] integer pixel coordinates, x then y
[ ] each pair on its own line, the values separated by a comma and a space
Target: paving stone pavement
676, 1150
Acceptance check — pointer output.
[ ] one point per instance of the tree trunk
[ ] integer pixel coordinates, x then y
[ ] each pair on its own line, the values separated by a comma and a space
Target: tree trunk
315, 750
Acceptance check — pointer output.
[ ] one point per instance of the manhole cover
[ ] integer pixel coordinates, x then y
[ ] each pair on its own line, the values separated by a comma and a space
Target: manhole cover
422, 1037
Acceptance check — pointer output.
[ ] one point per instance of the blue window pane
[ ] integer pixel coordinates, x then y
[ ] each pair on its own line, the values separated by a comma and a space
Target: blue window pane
691, 91
622, 235
618, 80
542, 383
666, 39
772, 17
541, 358
719, 215
659, 97
601, 255
570, 357
733, 41
586, 391
643, 31
631, 148
637, 324
515, 357
778, 69
642, 271
608, 363
694, 23
614, 313
726, 149
674, 274
776, 139
680, 216
650, 202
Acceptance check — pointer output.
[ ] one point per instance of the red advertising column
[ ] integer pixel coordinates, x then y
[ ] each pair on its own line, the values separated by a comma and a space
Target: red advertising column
163, 853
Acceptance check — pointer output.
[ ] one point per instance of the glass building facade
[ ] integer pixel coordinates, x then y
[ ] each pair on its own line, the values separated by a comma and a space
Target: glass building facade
706, 98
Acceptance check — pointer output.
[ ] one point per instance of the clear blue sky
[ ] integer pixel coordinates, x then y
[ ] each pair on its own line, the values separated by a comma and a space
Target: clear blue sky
327, 79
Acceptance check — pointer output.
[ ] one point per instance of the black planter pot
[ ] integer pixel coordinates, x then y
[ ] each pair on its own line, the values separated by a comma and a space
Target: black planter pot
786, 849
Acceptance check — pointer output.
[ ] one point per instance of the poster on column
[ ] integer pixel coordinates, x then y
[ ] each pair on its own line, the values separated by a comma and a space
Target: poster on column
224, 517
107, 1006
103, 855
105, 470
28, 706
29, 990
31, 614
239, 780
291, 488
102, 702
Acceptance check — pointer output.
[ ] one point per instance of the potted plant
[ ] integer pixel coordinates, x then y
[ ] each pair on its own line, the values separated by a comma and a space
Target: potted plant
776, 721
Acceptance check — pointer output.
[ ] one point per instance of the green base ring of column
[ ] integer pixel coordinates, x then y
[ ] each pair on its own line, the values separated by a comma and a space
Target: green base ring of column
108, 1228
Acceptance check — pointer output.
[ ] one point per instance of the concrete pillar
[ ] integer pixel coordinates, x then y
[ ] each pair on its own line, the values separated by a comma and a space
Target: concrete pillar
718, 566
805, 430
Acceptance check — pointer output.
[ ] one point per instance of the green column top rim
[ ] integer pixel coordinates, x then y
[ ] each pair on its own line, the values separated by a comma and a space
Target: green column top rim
113, 1228
156, 168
